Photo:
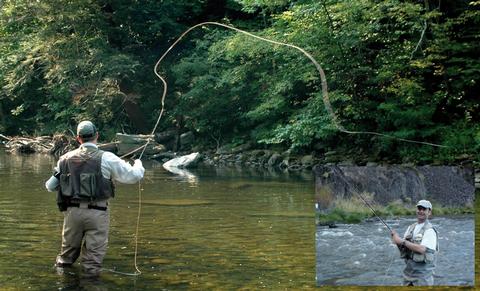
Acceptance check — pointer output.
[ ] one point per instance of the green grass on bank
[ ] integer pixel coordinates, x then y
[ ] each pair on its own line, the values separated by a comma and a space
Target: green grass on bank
354, 210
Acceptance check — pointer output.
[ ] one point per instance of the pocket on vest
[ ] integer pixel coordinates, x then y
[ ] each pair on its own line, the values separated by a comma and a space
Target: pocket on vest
107, 188
65, 185
418, 258
429, 257
88, 185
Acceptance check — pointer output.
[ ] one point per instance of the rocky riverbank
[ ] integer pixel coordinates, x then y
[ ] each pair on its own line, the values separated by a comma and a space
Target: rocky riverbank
161, 148
131, 146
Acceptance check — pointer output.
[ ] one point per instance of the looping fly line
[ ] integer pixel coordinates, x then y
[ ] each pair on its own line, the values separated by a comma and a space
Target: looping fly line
325, 98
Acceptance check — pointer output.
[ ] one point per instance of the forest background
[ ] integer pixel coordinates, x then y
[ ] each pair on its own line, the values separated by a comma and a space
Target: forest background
409, 69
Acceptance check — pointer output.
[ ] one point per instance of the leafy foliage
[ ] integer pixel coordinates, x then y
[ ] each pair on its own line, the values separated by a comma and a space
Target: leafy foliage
68, 61
408, 69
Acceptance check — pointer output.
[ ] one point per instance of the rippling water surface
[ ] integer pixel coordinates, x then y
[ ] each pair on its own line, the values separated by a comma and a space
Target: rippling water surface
208, 229
363, 254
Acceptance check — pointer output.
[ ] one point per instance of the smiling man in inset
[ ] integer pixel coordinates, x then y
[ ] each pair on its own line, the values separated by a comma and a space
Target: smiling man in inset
418, 247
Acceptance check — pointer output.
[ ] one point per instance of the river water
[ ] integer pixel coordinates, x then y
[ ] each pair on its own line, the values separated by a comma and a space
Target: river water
363, 254
214, 229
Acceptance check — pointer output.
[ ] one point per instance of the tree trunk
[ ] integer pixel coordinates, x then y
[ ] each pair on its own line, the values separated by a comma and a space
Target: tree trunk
3, 121
179, 123
136, 116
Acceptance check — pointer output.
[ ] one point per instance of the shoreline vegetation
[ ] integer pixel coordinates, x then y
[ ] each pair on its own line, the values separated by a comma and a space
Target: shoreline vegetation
162, 148
351, 210
354, 211
397, 71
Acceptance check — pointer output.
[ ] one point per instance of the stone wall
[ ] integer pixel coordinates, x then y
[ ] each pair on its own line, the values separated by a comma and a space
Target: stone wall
445, 185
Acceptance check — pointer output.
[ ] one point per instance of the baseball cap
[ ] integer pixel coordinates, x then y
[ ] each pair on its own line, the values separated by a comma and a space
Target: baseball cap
424, 204
86, 129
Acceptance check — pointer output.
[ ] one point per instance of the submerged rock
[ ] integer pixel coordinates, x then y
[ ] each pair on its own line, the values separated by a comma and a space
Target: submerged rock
161, 261
177, 202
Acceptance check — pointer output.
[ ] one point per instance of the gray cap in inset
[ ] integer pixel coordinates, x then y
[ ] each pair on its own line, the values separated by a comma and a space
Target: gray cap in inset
86, 129
425, 204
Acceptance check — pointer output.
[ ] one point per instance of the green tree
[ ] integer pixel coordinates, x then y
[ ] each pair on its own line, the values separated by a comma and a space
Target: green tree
65, 61
407, 69
379, 62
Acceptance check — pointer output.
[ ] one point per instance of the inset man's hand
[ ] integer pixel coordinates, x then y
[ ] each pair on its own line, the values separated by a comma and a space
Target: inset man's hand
396, 238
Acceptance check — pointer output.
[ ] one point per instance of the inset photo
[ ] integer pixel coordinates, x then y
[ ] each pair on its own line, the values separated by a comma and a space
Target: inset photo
394, 225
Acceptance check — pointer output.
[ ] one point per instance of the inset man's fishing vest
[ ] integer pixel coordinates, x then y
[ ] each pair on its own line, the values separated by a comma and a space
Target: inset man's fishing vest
81, 177
419, 265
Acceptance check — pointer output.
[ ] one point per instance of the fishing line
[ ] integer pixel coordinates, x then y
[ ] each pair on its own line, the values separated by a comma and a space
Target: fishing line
325, 98
149, 138
392, 259
137, 270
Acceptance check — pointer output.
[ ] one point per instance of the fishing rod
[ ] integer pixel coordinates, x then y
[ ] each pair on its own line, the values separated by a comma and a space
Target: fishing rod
373, 210
326, 101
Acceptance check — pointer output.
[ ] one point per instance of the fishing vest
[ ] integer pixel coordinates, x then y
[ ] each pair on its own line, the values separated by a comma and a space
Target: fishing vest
81, 177
419, 265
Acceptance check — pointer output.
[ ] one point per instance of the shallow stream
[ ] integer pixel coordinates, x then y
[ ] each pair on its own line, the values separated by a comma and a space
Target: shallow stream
210, 229
362, 254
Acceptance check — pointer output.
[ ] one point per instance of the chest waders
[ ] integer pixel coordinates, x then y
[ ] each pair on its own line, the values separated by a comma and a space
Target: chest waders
81, 178
419, 265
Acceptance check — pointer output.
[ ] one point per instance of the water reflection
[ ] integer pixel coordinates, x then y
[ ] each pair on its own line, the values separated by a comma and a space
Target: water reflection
183, 175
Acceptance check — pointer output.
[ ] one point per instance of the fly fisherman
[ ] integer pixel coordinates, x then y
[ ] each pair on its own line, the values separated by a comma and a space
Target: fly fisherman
418, 247
84, 181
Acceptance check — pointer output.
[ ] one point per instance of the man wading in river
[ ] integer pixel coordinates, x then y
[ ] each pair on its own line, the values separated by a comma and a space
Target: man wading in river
418, 247
83, 179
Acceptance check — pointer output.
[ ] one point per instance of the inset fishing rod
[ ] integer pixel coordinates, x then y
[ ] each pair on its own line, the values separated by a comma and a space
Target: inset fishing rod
373, 210
326, 102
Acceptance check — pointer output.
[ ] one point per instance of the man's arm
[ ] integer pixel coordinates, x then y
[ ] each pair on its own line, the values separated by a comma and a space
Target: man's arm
122, 171
53, 182
415, 247
403, 242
